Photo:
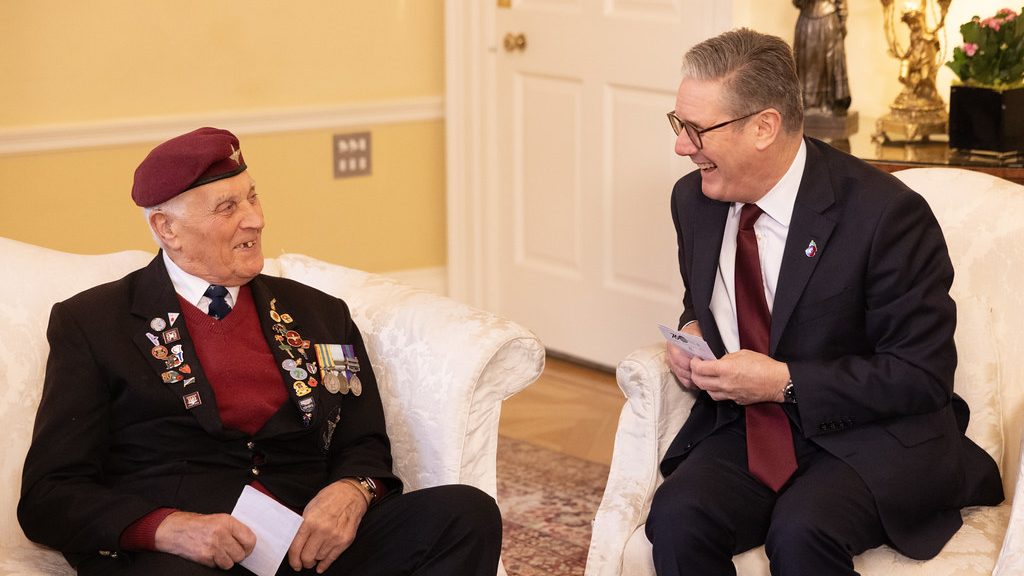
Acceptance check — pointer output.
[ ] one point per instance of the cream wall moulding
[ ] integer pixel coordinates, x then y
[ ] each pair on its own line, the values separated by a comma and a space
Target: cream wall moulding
126, 131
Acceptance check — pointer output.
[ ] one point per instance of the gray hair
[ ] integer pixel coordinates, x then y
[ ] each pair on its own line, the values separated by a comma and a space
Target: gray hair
758, 71
170, 206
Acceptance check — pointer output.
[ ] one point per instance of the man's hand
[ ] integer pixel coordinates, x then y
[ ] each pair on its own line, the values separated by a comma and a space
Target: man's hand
328, 527
745, 377
214, 540
679, 360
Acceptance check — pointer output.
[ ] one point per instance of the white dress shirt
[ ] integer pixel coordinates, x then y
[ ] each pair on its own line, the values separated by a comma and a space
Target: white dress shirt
192, 288
771, 230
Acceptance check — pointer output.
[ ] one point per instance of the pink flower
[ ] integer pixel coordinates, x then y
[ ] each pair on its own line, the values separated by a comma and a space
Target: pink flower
1007, 14
991, 23
970, 48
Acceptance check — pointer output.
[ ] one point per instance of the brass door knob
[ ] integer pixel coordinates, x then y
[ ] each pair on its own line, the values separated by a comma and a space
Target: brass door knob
515, 42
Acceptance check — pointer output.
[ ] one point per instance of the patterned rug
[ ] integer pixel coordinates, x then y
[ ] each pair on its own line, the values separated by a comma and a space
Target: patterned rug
547, 502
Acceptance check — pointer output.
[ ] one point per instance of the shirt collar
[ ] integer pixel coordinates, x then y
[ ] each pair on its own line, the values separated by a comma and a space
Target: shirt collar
192, 288
779, 201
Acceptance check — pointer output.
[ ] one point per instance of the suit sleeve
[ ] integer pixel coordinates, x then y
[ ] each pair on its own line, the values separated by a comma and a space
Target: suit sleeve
688, 313
892, 353
64, 504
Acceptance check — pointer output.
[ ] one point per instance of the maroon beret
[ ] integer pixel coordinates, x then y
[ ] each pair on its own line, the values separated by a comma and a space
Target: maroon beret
185, 162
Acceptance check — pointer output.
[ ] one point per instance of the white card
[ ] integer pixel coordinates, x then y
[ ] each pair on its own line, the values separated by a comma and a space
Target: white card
692, 345
275, 526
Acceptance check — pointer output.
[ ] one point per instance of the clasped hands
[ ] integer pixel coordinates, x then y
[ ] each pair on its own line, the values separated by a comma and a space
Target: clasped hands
745, 377
328, 527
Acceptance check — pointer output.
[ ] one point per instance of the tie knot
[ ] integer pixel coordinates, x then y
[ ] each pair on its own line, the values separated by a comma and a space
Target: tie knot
749, 215
215, 291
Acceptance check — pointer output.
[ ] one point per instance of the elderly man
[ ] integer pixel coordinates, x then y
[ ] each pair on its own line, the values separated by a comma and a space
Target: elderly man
828, 424
169, 391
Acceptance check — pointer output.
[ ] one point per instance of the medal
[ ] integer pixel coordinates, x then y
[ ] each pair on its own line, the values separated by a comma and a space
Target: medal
356, 384
331, 382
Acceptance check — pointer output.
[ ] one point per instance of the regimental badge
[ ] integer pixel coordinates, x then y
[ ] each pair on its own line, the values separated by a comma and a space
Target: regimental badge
171, 336
300, 388
192, 400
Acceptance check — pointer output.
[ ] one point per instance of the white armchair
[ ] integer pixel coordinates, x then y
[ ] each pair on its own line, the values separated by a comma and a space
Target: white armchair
443, 368
981, 218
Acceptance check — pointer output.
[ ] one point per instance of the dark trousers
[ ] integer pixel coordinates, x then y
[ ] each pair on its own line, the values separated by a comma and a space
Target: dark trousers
441, 531
710, 508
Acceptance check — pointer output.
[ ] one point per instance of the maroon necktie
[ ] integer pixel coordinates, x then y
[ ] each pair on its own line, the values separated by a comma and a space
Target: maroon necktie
770, 455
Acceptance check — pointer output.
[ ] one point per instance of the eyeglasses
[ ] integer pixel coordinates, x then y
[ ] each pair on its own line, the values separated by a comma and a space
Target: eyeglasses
694, 133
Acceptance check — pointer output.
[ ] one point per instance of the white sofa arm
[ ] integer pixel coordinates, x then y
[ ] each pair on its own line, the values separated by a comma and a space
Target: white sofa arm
1011, 557
443, 369
656, 406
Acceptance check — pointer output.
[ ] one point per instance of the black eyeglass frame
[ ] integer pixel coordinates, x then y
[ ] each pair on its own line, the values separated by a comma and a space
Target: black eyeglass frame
678, 125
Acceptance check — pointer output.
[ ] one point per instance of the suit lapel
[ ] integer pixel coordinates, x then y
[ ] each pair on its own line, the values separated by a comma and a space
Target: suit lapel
808, 225
163, 339
293, 354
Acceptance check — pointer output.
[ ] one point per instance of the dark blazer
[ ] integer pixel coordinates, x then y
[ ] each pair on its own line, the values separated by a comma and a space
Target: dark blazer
865, 323
114, 439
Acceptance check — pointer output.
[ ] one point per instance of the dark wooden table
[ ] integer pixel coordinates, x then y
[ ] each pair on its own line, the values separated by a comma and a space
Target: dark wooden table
891, 156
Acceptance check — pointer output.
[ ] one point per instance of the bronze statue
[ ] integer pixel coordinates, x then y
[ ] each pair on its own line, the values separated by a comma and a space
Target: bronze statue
821, 56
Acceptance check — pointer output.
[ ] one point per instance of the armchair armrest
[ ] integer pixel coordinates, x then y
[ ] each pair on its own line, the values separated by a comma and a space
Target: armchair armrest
656, 406
443, 369
1011, 557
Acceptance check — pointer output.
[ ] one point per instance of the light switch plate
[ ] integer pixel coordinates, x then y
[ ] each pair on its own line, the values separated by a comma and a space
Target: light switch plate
352, 155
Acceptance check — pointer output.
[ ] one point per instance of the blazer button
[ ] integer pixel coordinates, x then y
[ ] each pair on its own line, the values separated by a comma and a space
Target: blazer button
250, 445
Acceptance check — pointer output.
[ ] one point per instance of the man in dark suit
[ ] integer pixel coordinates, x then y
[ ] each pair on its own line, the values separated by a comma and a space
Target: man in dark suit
171, 390
828, 424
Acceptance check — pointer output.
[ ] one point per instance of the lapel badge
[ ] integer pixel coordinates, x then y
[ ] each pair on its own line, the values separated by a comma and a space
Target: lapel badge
185, 369
192, 400
159, 352
152, 338
289, 364
298, 373
312, 382
286, 318
307, 405
300, 388
171, 336
275, 316
171, 376
172, 317
812, 249
172, 362
158, 324
188, 381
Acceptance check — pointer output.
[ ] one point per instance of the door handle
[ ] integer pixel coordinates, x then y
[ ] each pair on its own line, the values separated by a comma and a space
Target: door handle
515, 42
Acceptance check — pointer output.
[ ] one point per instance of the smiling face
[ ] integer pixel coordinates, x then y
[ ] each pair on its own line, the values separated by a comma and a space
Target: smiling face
728, 160
213, 231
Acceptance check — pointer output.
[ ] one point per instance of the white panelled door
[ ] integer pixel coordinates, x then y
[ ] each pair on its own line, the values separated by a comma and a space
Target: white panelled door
578, 242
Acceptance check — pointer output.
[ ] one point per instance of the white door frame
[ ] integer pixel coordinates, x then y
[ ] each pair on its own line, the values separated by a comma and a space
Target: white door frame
470, 161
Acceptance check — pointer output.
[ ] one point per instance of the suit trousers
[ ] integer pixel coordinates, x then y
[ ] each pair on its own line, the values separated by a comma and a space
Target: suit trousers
710, 508
440, 531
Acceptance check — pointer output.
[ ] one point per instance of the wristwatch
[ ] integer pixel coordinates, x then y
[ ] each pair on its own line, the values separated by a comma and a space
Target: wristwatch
369, 485
789, 393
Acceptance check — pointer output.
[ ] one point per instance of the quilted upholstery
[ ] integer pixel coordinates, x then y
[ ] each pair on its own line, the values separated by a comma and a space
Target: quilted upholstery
980, 217
443, 369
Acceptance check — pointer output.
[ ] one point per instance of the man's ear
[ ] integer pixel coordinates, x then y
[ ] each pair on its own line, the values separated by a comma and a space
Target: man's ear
768, 127
163, 228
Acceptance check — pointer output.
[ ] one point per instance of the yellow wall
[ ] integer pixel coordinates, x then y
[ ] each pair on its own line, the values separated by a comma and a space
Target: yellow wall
73, 63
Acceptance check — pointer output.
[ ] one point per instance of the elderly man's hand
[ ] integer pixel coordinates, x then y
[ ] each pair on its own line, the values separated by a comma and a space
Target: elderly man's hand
679, 361
328, 527
214, 540
745, 377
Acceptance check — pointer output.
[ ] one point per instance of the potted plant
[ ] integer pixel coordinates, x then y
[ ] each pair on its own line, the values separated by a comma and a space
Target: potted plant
986, 107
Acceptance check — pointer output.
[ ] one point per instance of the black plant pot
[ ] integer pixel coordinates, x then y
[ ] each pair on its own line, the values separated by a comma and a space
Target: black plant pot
981, 119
